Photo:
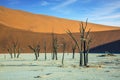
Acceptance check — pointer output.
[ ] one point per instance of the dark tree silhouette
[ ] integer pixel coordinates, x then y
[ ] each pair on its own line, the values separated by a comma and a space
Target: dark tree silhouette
83, 47
14, 48
54, 47
73, 50
35, 49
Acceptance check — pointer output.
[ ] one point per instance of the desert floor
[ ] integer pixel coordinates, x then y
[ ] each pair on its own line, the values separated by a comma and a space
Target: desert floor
26, 68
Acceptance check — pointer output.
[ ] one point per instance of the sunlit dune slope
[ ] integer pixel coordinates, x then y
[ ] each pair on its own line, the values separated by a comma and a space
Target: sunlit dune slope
42, 23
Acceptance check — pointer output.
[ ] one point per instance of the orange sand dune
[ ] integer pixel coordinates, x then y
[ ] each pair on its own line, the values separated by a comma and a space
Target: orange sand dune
42, 23
30, 28
25, 38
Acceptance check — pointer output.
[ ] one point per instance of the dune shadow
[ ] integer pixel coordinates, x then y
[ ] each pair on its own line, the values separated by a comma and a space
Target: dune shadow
112, 47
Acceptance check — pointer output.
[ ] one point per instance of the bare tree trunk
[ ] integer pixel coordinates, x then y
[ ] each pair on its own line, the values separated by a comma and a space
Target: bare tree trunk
73, 54
36, 55
73, 50
53, 56
37, 49
84, 51
14, 52
64, 47
88, 51
54, 46
10, 52
81, 56
63, 59
18, 53
56, 55
38, 52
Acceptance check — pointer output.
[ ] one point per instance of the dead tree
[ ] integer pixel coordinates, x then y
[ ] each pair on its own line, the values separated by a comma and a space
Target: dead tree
19, 51
36, 50
88, 48
54, 47
63, 47
73, 50
9, 49
15, 44
10, 52
14, 48
82, 47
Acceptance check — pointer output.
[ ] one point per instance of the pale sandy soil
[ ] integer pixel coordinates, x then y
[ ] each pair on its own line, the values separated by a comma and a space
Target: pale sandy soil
25, 68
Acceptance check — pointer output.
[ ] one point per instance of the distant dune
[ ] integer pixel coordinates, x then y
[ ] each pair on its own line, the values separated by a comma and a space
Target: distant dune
42, 23
30, 28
